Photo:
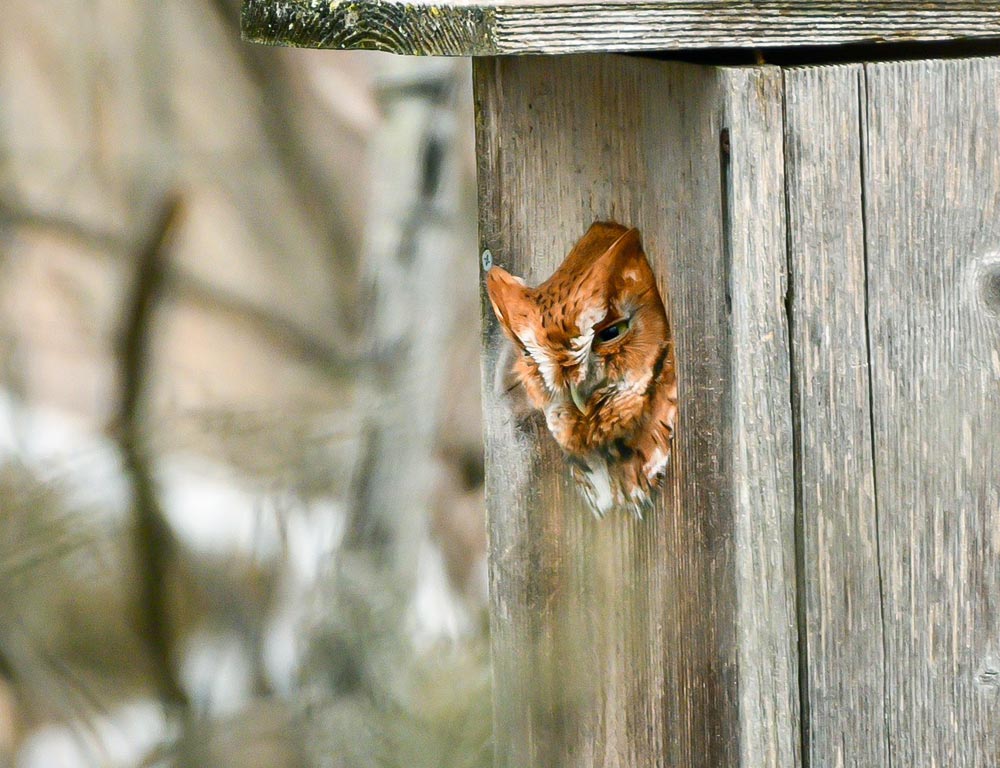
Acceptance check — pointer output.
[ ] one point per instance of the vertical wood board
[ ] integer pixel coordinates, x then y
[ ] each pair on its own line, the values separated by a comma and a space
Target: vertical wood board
932, 210
762, 477
843, 666
666, 642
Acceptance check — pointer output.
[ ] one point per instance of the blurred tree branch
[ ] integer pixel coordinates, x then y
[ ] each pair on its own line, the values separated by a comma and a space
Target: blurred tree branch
285, 196
154, 544
316, 194
363, 666
329, 358
407, 278
17, 217
285, 334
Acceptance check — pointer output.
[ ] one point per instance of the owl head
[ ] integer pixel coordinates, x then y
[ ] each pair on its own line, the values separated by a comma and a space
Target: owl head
591, 339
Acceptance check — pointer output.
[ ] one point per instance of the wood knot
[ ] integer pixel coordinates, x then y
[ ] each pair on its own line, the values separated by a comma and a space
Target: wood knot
989, 288
984, 283
989, 674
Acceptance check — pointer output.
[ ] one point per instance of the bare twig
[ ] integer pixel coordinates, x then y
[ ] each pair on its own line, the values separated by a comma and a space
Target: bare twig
58, 223
287, 335
331, 358
6, 668
153, 538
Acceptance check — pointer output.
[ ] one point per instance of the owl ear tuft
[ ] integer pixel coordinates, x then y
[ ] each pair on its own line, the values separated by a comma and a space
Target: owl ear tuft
510, 299
625, 263
625, 248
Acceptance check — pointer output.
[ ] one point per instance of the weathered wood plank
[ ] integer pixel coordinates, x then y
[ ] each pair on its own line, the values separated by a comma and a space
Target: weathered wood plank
668, 642
754, 243
467, 28
840, 596
932, 209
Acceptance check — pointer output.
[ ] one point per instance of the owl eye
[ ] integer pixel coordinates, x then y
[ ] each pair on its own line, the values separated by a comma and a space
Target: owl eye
612, 332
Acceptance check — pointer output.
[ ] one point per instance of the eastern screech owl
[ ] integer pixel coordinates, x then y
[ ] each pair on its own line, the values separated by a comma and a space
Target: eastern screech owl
596, 357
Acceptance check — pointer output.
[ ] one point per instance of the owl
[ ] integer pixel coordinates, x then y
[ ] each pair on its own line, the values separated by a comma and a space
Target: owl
594, 354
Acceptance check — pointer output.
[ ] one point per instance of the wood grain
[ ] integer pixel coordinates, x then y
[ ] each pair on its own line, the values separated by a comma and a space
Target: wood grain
759, 369
668, 642
932, 211
841, 631
465, 28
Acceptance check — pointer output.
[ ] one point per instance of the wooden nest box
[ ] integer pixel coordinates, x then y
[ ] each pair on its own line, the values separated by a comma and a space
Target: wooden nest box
817, 185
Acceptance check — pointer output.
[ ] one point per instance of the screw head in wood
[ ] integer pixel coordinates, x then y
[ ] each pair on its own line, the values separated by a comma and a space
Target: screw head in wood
487, 260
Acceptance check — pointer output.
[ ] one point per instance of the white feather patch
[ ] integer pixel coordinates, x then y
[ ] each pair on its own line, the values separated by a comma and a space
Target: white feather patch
546, 365
580, 347
657, 463
556, 421
599, 482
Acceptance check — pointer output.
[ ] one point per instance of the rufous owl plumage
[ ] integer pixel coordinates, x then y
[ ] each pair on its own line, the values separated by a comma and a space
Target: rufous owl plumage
595, 356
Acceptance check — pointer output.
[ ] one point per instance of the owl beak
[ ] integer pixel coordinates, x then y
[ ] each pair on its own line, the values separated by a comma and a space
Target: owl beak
580, 398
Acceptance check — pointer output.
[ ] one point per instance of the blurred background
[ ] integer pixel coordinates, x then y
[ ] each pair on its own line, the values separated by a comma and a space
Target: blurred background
241, 517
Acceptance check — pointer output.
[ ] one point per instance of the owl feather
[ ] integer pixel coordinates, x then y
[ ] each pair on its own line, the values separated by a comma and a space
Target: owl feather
594, 354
